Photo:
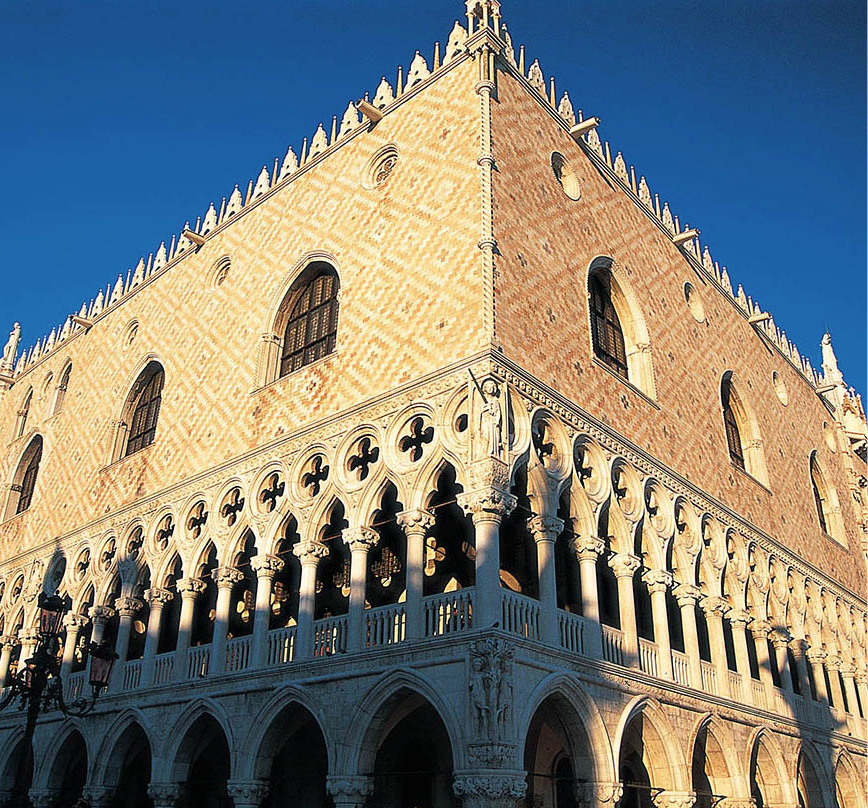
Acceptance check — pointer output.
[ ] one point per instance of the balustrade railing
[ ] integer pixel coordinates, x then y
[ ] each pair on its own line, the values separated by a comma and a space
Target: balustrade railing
520, 614
238, 654
759, 693
709, 677
330, 636
735, 685
75, 685
613, 645
164, 668
198, 661
385, 625
648, 656
680, 668
571, 631
448, 612
281, 646
132, 674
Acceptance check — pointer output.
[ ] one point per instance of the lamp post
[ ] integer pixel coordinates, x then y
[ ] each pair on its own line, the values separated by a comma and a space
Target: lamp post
38, 686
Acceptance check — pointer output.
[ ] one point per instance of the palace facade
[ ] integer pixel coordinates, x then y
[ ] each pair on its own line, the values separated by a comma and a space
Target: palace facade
440, 466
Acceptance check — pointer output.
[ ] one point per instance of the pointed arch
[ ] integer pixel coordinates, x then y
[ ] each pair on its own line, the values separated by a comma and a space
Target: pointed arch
812, 778
137, 425
826, 502
23, 486
767, 770
741, 428
62, 387
23, 413
849, 781
106, 762
175, 755
714, 759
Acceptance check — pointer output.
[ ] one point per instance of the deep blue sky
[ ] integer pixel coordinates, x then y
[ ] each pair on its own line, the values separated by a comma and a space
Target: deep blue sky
124, 119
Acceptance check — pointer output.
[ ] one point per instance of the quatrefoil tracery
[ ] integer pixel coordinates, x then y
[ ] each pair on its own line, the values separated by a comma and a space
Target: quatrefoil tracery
318, 474
232, 507
415, 441
197, 519
271, 491
365, 457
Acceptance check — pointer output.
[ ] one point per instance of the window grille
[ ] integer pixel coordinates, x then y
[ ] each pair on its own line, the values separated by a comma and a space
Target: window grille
146, 411
733, 437
606, 331
29, 481
313, 323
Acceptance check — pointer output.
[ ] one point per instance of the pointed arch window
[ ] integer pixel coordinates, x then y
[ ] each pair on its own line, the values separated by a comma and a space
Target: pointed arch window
733, 436
144, 408
606, 331
61, 389
21, 423
24, 482
311, 312
818, 497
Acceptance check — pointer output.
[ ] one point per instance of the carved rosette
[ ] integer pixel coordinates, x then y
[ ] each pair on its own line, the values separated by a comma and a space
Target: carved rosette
657, 580
416, 521
686, 595
309, 551
587, 547
484, 789
598, 793
166, 794
487, 505
266, 566
127, 607
247, 793
226, 577
624, 565
350, 790
545, 528
360, 538
191, 588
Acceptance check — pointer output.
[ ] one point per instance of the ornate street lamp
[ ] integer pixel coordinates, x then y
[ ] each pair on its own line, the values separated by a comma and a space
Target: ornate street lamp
38, 686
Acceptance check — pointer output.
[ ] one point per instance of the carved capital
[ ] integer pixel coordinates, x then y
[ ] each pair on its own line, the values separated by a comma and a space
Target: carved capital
361, 538
624, 565
266, 566
780, 638
127, 607
226, 577
247, 793
97, 795
816, 657
714, 606
29, 638
799, 646
191, 588
487, 505
848, 672
74, 621
686, 594
491, 788
43, 797
309, 551
598, 793
416, 521
8, 641
545, 528
490, 754
158, 597
760, 629
165, 794
102, 614
670, 799
736, 803
657, 580
350, 790
738, 617
587, 547
489, 473
833, 663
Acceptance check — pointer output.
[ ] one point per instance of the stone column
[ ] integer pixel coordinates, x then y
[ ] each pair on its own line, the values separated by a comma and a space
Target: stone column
816, 658
849, 675
360, 541
687, 595
486, 788
157, 599
165, 794
798, 646
416, 524
670, 799
28, 641
625, 566
100, 616
781, 642
127, 608
225, 578
657, 581
833, 666
74, 624
545, 530
309, 552
604, 794
739, 619
350, 790
487, 507
7, 644
587, 549
862, 680
760, 631
249, 794
189, 590
266, 567
714, 608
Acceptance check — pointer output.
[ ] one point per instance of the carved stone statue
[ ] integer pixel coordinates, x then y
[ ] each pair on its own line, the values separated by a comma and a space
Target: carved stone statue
489, 418
491, 686
11, 348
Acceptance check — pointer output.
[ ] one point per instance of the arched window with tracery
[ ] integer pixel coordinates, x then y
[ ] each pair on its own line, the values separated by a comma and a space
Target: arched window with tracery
24, 482
142, 410
309, 318
23, 413
733, 436
743, 440
606, 331
826, 501
62, 386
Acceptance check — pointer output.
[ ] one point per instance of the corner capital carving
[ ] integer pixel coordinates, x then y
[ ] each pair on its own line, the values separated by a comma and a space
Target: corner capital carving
545, 528
191, 588
158, 596
266, 565
587, 547
309, 551
624, 565
415, 521
487, 505
226, 577
360, 538
657, 580
127, 607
